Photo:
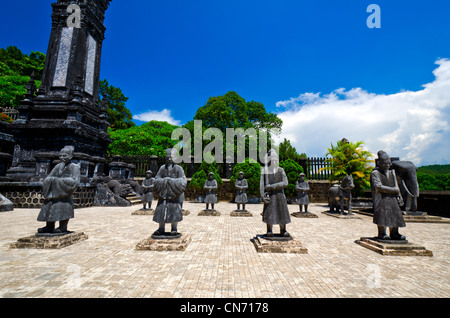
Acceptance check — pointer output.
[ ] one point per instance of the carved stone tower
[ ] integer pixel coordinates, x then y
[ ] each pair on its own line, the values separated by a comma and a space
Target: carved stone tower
65, 110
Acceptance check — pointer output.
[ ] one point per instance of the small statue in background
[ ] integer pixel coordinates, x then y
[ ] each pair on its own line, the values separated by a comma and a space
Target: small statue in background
241, 196
302, 188
147, 187
210, 187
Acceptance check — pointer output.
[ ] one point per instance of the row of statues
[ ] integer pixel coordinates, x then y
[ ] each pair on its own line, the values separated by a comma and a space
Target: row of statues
170, 183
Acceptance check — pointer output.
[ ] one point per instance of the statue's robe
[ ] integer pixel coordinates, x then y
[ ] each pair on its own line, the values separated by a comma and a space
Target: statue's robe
276, 211
58, 188
170, 183
241, 195
210, 186
386, 207
147, 187
302, 197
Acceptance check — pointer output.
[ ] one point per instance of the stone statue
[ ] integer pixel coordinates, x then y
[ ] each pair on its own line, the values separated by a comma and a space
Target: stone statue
302, 188
170, 183
273, 181
386, 199
406, 173
58, 188
241, 196
210, 187
340, 196
147, 187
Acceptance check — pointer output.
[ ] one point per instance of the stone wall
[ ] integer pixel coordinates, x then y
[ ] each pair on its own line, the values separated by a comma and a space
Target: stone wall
26, 196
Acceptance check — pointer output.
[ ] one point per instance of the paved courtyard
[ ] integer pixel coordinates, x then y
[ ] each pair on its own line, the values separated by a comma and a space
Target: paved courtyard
220, 261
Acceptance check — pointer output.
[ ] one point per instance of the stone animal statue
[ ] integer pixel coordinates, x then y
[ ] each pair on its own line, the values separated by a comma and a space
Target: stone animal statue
406, 173
340, 196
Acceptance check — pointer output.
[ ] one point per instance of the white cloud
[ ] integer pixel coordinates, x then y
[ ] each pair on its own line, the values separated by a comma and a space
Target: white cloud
411, 125
164, 115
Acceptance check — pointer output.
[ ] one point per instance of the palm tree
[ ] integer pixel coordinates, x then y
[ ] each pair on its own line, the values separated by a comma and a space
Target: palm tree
348, 158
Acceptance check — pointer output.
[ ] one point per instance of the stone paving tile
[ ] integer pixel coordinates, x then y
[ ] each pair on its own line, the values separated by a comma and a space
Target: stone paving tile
221, 261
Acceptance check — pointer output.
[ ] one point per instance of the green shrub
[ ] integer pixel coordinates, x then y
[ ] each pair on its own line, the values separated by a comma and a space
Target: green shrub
252, 173
292, 170
200, 176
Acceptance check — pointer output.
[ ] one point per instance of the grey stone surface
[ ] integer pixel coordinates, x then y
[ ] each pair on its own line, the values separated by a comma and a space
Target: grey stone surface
62, 64
5, 204
90, 65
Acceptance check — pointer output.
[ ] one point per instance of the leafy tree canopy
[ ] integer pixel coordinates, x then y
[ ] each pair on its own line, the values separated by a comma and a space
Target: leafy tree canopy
150, 139
287, 151
15, 71
349, 158
119, 115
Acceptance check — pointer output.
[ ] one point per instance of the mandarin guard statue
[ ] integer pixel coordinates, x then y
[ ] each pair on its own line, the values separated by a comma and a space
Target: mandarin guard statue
241, 196
302, 188
170, 183
272, 183
387, 199
147, 186
210, 187
58, 188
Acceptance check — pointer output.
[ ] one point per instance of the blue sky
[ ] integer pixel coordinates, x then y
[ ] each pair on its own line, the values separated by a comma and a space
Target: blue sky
168, 57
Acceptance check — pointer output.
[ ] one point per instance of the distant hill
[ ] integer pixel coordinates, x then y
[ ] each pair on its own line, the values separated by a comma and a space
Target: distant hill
434, 169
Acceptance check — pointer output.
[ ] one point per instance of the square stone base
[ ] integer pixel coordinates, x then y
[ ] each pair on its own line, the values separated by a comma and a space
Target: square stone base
209, 213
264, 245
341, 216
152, 212
395, 249
143, 212
240, 213
425, 219
304, 215
51, 242
175, 244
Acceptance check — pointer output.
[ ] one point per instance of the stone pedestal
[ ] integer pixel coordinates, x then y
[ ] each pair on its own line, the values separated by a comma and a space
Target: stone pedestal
209, 213
342, 216
152, 212
423, 217
394, 248
49, 241
143, 212
278, 244
5, 204
167, 243
304, 215
241, 213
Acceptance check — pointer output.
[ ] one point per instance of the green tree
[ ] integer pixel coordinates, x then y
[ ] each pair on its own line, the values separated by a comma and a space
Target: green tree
348, 158
15, 71
232, 111
151, 139
119, 115
287, 151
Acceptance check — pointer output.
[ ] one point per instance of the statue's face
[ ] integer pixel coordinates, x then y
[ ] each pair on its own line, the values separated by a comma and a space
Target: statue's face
385, 164
241, 176
169, 158
149, 174
211, 177
65, 156
301, 177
